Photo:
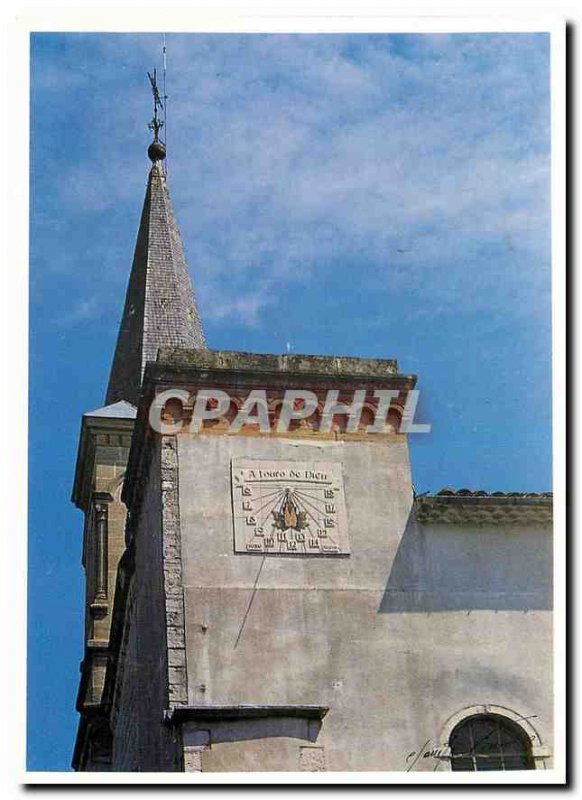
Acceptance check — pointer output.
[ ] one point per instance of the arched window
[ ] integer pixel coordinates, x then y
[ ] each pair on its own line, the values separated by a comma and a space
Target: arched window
489, 742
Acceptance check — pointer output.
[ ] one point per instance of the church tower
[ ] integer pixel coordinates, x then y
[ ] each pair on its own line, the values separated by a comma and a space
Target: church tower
160, 307
160, 310
263, 590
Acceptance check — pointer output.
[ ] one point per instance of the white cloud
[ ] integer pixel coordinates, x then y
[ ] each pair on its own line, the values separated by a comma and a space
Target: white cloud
84, 311
241, 309
291, 155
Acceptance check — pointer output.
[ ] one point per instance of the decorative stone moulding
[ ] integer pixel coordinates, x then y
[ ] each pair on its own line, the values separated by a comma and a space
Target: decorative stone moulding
450, 507
238, 374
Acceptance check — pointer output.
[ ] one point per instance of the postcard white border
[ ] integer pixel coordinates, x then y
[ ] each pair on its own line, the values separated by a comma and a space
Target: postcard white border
230, 17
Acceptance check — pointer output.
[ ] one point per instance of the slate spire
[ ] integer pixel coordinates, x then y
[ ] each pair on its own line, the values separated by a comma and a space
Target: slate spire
160, 306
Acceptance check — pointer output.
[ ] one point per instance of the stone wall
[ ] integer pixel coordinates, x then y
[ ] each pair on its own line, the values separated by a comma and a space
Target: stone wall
140, 740
327, 630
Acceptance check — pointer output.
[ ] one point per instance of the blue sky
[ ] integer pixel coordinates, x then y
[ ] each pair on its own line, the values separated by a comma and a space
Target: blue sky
382, 196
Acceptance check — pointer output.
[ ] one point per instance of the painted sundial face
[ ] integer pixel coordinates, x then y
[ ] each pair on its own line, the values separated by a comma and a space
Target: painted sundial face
289, 508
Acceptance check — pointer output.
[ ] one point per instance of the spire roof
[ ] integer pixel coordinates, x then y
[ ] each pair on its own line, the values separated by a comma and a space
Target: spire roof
160, 307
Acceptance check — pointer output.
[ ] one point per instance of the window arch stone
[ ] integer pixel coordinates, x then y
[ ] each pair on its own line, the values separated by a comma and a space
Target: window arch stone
514, 719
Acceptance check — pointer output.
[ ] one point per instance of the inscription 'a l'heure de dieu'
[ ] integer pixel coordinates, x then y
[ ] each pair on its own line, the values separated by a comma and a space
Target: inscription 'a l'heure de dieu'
285, 474
289, 508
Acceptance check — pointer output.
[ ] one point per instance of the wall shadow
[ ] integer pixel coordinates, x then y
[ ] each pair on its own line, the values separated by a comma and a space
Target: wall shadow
247, 730
469, 567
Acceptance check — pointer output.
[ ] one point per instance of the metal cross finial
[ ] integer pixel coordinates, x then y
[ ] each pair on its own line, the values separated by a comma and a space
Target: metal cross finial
156, 124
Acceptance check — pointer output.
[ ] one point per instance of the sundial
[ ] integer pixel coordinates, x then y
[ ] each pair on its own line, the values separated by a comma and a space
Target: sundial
289, 508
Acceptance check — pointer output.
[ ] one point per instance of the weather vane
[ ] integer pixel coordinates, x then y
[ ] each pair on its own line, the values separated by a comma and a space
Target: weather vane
156, 124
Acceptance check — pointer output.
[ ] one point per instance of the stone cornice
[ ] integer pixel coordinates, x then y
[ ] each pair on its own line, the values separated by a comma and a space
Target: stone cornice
91, 428
220, 713
178, 367
480, 508
184, 361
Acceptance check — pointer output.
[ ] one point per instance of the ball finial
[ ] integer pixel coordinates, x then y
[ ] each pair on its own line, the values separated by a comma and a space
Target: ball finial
156, 151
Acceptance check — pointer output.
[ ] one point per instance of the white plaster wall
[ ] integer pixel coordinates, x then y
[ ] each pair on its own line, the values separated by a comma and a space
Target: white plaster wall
395, 638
